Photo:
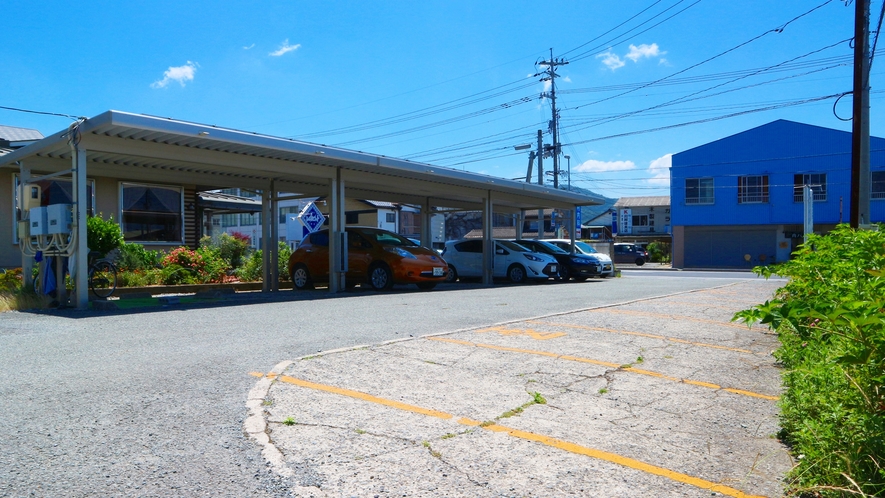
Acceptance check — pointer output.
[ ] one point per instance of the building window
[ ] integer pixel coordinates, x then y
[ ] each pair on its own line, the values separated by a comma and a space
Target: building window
391, 217
817, 182
230, 220
250, 219
640, 220
877, 186
699, 191
753, 189
352, 218
152, 213
285, 212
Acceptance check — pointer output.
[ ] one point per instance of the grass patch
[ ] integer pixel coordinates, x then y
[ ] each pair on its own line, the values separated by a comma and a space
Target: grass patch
537, 399
359, 431
289, 421
22, 299
603, 391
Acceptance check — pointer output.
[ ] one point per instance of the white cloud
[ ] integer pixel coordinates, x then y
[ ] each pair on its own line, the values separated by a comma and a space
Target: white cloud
594, 166
644, 51
611, 60
284, 48
181, 74
249, 47
660, 170
567, 79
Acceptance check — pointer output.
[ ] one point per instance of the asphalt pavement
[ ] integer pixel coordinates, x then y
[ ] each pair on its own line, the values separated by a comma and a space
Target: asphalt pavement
153, 402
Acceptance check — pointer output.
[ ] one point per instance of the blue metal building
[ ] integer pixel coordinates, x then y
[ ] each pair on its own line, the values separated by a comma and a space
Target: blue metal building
738, 202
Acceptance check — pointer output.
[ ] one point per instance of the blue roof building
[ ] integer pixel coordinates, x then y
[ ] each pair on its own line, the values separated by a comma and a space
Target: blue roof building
738, 202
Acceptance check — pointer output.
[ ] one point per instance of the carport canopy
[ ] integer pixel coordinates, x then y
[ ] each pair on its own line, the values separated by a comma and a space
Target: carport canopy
134, 147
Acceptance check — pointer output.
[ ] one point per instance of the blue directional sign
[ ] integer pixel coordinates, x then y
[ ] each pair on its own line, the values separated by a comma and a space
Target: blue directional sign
312, 218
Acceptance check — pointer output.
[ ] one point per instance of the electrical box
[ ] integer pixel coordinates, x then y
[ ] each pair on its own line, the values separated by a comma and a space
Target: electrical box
58, 219
31, 196
37, 221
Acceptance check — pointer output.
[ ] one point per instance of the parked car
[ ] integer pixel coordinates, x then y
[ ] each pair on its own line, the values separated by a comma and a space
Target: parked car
576, 266
630, 254
512, 261
587, 251
378, 257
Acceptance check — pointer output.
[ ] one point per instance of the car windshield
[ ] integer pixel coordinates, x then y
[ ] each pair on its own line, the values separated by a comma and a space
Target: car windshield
387, 238
513, 246
550, 248
585, 247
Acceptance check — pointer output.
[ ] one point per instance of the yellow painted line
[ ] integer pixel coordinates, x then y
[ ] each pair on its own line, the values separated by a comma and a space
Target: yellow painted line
531, 436
622, 460
534, 334
652, 336
256, 374
365, 397
605, 364
672, 317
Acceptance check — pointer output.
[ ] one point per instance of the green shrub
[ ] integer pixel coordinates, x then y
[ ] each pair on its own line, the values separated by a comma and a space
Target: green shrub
251, 269
11, 280
103, 236
231, 248
132, 257
659, 252
830, 318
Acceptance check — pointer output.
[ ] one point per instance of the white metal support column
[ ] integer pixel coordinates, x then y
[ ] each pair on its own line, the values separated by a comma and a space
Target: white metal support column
426, 236
337, 242
266, 268
81, 249
488, 244
520, 220
274, 237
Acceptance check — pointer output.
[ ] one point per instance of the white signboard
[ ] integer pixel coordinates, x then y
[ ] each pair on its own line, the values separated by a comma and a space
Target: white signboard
625, 221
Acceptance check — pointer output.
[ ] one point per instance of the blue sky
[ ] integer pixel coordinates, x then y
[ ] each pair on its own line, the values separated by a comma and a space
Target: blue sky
446, 82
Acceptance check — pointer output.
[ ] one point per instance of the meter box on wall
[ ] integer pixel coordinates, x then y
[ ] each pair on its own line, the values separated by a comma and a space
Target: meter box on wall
37, 221
58, 219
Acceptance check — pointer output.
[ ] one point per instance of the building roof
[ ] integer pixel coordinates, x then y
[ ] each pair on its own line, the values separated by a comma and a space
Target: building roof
646, 201
381, 204
16, 134
136, 147
219, 202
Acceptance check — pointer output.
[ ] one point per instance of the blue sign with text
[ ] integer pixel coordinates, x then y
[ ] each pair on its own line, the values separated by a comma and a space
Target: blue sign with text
312, 218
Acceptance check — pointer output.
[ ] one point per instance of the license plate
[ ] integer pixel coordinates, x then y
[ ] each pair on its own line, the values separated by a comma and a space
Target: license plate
552, 267
437, 272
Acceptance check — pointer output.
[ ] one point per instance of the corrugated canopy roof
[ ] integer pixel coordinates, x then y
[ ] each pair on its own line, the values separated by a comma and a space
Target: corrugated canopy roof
145, 148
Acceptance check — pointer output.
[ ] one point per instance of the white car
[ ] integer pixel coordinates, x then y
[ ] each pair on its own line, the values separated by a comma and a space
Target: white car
587, 251
512, 261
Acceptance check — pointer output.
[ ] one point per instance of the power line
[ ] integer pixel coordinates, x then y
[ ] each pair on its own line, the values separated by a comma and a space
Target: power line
44, 113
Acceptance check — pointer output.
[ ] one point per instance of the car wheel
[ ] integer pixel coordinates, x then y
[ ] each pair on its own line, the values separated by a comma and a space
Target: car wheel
640, 261
426, 285
516, 274
452, 275
380, 277
563, 274
301, 278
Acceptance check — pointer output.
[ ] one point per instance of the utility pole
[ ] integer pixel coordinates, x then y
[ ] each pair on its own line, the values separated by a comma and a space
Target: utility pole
860, 126
550, 75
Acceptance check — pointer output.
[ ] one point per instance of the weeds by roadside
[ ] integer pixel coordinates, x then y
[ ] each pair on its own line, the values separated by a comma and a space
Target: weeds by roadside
830, 319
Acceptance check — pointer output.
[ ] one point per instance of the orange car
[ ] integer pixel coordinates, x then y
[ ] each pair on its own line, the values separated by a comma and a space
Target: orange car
374, 256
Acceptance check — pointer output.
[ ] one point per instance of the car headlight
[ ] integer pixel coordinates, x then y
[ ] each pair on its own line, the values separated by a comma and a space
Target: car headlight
531, 257
583, 261
401, 252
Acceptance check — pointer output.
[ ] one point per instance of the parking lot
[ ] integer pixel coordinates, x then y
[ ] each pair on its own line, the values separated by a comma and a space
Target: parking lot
660, 396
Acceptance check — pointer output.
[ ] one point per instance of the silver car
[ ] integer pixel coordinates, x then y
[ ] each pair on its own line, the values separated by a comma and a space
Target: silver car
512, 261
